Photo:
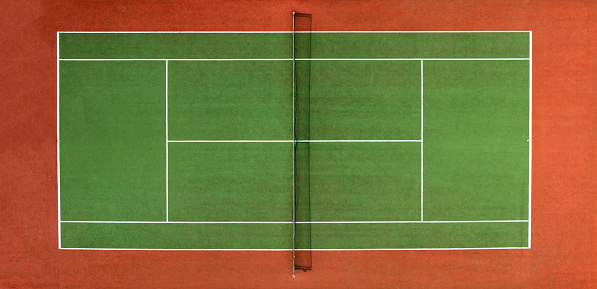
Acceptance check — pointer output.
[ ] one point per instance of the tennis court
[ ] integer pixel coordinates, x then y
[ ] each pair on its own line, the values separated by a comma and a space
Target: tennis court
404, 140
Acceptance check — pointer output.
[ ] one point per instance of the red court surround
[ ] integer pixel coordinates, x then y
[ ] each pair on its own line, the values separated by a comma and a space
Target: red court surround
564, 180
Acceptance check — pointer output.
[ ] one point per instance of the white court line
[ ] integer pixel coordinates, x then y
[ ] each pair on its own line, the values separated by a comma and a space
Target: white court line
172, 222
289, 141
289, 59
293, 146
405, 59
422, 141
418, 249
530, 116
229, 141
417, 222
167, 205
257, 32
322, 222
374, 249
176, 59
152, 249
58, 132
362, 140
530, 127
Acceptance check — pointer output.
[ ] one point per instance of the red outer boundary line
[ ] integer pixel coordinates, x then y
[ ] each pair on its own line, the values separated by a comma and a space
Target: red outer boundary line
564, 134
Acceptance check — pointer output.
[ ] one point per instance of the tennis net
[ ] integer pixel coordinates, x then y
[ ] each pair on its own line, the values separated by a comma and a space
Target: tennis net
301, 253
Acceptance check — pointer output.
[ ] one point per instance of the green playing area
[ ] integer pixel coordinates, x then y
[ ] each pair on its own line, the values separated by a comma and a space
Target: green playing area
185, 140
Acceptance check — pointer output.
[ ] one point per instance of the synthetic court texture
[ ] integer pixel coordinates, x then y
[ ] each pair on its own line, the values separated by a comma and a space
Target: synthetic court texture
184, 140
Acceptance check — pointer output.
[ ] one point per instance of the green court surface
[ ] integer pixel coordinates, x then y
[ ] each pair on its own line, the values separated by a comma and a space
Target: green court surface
185, 140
